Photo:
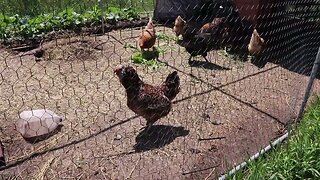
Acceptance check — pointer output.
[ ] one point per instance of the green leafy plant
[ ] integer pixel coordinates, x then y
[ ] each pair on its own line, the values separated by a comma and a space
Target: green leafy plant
22, 28
148, 58
165, 37
116, 14
139, 59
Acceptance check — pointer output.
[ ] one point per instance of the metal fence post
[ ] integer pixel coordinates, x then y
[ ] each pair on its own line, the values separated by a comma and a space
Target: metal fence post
285, 136
102, 15
310, 85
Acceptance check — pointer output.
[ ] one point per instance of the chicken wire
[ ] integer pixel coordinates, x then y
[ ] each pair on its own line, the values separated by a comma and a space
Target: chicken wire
228, 108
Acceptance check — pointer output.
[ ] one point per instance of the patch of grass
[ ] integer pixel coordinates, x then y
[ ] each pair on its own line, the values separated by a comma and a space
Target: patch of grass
297, 159
141, 6
34, 8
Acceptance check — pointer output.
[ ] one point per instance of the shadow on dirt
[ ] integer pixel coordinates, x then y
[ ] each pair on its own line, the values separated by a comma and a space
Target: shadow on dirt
37, 139
207, 65
158, 136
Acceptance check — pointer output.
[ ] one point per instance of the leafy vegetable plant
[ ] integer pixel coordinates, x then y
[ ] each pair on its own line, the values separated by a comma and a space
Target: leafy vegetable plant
22, 28
148, 58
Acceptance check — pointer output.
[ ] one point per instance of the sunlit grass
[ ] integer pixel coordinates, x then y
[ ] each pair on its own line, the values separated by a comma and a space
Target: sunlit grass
298, 158
34, 8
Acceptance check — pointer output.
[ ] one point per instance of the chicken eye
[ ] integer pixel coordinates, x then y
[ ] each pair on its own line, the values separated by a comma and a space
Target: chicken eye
123, 72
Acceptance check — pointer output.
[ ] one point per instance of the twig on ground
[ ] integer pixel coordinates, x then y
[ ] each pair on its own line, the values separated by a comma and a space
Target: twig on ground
200, 170
210, 174
134, 167
213, 138
44, 169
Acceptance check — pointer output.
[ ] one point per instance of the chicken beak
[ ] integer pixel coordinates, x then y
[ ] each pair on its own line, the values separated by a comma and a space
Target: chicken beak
118, 70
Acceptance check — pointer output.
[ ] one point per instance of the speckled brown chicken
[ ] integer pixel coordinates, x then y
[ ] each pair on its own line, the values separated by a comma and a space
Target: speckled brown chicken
150, 102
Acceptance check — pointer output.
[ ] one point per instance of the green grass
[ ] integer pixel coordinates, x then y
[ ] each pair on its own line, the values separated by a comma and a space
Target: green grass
140, 5
35, 8
298, 158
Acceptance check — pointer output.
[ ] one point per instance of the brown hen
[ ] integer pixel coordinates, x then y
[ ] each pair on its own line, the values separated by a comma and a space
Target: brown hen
256, 43
179, 26
198, 39
150, 102
147, 38
209, 27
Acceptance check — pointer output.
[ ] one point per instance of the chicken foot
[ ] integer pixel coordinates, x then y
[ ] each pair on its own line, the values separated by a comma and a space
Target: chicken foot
147, 127
204, 57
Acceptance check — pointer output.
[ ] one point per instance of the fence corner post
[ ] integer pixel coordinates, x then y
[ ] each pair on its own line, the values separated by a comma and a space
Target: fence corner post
310, 85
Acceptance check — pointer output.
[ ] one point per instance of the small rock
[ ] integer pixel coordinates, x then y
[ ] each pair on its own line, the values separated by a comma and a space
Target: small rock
253, 103
104, 169
194, 151
118, 137
99, 47
213, 148
38, 59
216, 122
206, 116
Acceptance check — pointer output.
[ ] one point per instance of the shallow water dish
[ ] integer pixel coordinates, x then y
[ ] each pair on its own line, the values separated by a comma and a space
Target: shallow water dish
36, 123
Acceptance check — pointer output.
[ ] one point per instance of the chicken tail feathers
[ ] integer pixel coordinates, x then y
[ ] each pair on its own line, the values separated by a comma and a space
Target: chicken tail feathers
173, 85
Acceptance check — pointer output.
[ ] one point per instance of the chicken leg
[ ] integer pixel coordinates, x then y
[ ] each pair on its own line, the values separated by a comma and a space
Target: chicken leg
189, 60
146, 128
205, 58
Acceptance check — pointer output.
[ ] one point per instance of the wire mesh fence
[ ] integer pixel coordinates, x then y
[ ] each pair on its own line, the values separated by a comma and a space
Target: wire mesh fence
243, 68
